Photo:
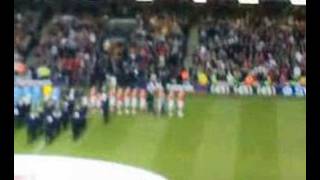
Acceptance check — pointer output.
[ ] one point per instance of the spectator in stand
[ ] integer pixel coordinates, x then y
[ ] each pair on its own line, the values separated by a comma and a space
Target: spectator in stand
156, 46
67, 46
25, 26
268, 50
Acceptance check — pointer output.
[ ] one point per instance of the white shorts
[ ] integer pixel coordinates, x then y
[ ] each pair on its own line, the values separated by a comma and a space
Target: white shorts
143, 104
127, 102
134, 102
158, 104
92, 102
180, 104
98, 104
170, 105
119, 104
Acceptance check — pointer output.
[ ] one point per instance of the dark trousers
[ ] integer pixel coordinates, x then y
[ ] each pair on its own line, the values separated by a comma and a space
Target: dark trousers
49, 135
32, 134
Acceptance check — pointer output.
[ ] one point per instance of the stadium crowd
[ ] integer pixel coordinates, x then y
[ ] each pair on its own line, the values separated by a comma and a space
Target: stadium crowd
253, 50
67, 47
156, 48
25, 27
70, 47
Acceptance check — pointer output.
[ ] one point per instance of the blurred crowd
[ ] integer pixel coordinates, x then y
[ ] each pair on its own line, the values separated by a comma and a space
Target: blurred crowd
156, 48
67, 47
76, 51
25, 27
252, 50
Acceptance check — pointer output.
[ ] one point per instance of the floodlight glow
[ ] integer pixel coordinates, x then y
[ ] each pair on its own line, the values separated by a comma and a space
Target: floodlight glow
298, 2
248, 1
200, 1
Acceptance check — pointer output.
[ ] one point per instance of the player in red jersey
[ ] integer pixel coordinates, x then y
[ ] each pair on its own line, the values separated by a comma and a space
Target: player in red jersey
112, 99
93, 97
180, 103
119, 100
127, 98
134, 101
143, 100
159, 100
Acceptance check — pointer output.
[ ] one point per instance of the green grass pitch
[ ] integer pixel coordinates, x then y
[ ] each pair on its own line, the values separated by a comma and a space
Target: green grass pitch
220, 138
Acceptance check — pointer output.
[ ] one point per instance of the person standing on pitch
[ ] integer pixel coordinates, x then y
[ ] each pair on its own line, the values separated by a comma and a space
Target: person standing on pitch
16, 116
42, 119
32, 126
134, 101
105, 107
48, 107
119, 100
83, 118
142, 100
65, 119
180, 103
112, 99
23, 113
56, 114
83, 111
127, 100
76, 124
170, 103
71, 100
49, 128
159, 99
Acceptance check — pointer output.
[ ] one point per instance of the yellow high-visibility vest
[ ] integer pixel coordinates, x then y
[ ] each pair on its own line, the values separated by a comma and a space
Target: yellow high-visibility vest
47, 90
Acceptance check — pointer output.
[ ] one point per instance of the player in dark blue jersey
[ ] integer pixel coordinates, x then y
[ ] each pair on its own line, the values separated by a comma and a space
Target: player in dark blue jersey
83, 109
105, 108
57, 115
71, 100
48, 107
22, 113
49, 128
66, 115
32, 126
76, 124
16, 115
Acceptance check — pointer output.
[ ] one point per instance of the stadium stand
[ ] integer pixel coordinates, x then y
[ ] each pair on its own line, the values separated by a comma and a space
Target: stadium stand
270, 50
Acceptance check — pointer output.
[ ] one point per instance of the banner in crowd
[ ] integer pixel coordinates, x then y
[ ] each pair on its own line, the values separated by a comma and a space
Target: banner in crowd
31, 82
223, 88
35, 91
176, 87
295, 90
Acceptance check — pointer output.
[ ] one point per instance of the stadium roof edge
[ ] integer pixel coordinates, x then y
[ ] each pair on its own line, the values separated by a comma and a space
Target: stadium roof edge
144, 0
200, 1
298, 2
248, 1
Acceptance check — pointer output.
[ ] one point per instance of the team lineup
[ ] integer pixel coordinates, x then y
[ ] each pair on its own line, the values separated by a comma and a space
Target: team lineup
132, 100
55, 114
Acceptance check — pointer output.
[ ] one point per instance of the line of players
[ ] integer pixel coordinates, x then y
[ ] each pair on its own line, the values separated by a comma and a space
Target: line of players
130, 100
52, 117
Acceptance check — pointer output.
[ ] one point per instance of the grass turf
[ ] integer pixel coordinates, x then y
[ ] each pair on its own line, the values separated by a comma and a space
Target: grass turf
220, 138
